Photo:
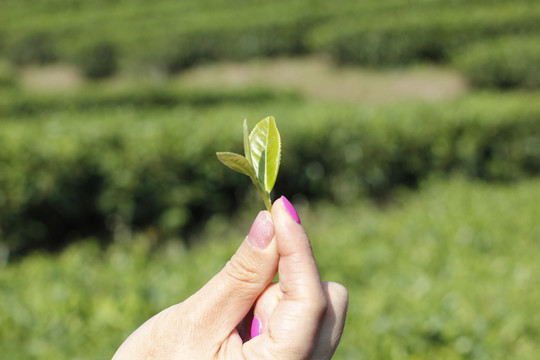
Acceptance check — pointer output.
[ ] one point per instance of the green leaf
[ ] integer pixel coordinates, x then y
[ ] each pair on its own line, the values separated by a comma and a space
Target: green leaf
265, 152
247, 151
237, 163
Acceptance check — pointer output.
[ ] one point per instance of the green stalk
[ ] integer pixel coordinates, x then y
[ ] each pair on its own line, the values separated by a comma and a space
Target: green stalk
264, 194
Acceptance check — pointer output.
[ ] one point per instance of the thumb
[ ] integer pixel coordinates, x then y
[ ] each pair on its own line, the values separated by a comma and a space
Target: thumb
228, 296
293, 325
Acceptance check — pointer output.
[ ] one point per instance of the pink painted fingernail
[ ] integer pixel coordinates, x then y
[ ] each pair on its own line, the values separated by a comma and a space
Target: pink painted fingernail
290, 209
262, 231
256, 328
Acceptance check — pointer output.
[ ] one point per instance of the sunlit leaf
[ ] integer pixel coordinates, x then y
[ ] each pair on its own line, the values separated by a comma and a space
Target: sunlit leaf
265, 152
262, 148
237, 163
247, 151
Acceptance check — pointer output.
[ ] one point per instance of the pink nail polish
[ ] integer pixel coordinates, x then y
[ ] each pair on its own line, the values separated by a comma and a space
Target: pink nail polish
262, 231
290, 209
256, 328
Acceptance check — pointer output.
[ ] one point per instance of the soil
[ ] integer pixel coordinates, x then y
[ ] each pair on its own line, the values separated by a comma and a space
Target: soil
55, 78
313, 77
318, 78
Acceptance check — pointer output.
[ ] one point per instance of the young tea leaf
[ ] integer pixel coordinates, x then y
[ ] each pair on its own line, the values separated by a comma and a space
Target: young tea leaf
237, 163
265, 152
247, 151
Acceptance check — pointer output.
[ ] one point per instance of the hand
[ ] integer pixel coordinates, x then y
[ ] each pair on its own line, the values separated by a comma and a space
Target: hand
296, 318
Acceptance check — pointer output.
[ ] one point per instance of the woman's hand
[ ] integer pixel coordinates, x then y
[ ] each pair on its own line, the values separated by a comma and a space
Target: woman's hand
296, 318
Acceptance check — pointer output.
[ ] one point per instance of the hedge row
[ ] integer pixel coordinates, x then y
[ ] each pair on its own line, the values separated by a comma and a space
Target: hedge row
506, 62
168, 35
7, 76
171, 36
110, 172
430, 33
20, 104
451, 273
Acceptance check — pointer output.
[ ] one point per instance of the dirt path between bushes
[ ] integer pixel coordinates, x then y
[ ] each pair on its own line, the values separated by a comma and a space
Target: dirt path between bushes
313, 77
319, 79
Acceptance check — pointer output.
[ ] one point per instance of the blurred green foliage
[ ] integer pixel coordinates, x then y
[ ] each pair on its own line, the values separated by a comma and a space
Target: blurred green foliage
7, 75
67, 175
25, 106
447, 273
169, 36
450, 272
406, 32
506, 62
99, 61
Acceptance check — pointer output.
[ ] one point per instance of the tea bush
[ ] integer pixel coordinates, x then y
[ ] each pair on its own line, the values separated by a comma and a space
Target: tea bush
170, 36
7, 76
506, 62
31, 106
67, 175
33, 48
166, 34
448, 272
99, 60
422, 33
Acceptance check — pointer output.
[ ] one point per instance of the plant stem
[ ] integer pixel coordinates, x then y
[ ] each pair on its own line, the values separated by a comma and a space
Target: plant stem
267, 202
264, 194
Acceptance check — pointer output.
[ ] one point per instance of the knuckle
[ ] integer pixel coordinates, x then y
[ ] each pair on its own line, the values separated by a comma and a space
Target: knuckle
241, 271
317, 305
322, 305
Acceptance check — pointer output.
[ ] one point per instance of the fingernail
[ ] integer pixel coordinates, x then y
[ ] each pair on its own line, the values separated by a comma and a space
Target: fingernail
290, 209
256, 328
262, 231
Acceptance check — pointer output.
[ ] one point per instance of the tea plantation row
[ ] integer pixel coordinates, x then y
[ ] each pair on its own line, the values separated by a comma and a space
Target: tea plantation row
106, 37
505, 62
111, 170
451, 273
27, 106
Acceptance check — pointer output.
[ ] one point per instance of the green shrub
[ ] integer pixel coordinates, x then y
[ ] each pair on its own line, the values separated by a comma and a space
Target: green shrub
99, 60
412, 34
7, 75
449, 273
428, 275
247, 36
67, 175
33, 48
21, 105
171, 35
168, 34
507, 62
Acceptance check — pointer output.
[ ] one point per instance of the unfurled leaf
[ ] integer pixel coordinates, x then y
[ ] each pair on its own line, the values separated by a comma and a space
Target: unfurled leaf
247, 151
265, 152
237, 163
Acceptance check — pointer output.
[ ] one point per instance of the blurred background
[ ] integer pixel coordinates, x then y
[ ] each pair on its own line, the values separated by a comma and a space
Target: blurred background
411, 148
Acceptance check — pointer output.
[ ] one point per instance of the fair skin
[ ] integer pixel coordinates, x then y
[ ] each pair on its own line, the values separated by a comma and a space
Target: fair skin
300, 317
